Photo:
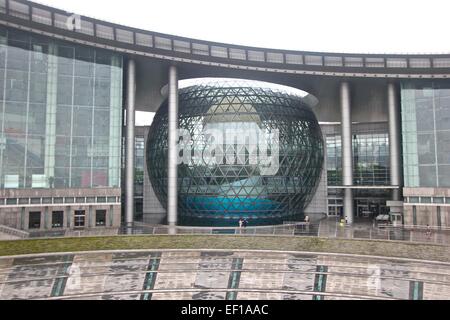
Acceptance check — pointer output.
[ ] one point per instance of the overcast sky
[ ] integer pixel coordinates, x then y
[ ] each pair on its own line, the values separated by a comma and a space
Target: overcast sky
395, 26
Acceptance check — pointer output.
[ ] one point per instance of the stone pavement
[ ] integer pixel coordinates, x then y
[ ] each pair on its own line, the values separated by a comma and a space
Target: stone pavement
219, 275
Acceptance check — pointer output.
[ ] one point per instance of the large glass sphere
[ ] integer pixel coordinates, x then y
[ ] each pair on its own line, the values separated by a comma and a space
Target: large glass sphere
271, 178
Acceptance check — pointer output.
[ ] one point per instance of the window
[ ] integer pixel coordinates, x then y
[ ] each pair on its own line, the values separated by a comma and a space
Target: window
105, 32
11, 201
181, 46
42, 16
414, 200
69, 200
294, 59
124, 36
100, 218
415, 216
438, 200
80, 218
34, 220
255, 55
237, 54
57, 219
439, 217
354, 62
80, 200
313, 60
333, 61
145, 40
83, 86
425, 200
220, 52
112, 200
90, 199
101, 199
163, 43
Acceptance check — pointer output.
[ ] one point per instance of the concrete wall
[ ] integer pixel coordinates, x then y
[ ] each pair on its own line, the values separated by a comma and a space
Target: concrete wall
319, 204
17, 216
154, 212
427, 214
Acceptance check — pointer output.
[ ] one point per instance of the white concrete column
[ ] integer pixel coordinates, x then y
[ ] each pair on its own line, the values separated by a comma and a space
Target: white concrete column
50, 117
394, 140
130, 144
347, 150
172, 188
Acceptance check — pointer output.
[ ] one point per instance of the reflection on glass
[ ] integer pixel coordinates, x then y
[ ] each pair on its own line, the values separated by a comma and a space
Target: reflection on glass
60, 114
426, 133
217, 190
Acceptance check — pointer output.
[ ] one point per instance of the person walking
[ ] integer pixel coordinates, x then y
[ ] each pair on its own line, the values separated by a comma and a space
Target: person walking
428, 231
241, 223
307, 223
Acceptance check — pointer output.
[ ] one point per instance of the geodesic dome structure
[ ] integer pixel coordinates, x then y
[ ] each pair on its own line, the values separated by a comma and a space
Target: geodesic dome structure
220, 192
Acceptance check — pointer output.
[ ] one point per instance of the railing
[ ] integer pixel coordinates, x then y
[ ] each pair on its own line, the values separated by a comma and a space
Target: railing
14, 232
426, 228
392, 234
436, 236
136, 41
420, 235
286, 230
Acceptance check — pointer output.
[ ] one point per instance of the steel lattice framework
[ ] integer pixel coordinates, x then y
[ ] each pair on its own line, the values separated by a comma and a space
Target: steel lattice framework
220, 194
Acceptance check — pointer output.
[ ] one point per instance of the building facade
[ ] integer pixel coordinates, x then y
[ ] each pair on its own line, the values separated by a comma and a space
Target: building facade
61, 131
72, 158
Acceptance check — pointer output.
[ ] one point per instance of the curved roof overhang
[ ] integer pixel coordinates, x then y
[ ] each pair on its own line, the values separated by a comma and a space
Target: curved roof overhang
59, 24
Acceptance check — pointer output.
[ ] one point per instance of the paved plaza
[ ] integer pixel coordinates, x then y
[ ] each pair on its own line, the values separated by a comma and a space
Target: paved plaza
219, 275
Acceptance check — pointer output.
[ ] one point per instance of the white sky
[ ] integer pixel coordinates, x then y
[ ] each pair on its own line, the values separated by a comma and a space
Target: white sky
394, 26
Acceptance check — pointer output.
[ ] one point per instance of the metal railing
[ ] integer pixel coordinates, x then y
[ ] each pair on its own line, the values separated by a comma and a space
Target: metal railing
280, 230
14, 232
52, 22
419, 235
391, 234
436, 236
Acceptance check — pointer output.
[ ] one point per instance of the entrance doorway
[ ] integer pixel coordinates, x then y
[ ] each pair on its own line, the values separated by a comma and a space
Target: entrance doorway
335, 207
370, 208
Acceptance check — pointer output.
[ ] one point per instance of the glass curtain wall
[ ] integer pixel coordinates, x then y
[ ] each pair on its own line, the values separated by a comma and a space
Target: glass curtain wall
60, 114
426, 133
370, 158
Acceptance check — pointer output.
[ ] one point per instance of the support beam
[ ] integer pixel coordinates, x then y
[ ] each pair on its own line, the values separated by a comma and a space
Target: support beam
130, 142
50, 115
347, 150
394, 139
172, 188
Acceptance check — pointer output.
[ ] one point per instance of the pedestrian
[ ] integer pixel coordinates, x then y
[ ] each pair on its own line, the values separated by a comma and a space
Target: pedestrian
245, 223
307, 219
428, 231
241, 223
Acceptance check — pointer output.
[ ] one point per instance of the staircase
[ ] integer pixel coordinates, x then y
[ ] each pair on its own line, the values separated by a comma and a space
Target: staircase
7, 233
